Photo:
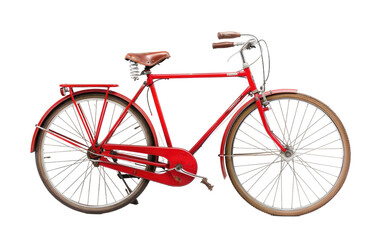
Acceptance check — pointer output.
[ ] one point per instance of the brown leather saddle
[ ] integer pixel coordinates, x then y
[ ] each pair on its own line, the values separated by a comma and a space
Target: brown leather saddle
149, 59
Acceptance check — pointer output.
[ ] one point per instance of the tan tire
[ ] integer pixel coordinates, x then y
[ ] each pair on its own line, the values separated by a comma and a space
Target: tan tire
68, 172
304, 178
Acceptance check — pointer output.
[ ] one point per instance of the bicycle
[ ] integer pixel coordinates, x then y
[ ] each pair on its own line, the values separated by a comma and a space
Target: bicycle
96, 150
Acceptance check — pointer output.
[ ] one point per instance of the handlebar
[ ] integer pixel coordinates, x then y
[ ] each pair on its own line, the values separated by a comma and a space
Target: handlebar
247, 45
223, 45
229, 34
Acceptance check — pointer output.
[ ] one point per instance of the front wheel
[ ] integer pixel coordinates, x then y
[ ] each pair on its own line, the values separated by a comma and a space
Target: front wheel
303, 178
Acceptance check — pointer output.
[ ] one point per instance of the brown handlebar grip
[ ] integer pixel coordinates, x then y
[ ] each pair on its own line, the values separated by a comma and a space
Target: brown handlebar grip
229, 34
223, 45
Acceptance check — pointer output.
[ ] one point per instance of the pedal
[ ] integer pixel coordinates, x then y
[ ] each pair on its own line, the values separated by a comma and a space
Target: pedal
179, 168
208, 185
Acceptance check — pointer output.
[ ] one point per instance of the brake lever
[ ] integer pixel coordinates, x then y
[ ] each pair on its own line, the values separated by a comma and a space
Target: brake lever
242, 43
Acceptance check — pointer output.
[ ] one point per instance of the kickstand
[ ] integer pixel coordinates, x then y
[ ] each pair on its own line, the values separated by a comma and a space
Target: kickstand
128, 189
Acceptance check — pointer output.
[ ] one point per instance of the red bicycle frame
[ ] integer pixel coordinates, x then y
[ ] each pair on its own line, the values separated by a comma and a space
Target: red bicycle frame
175, 156
251, 88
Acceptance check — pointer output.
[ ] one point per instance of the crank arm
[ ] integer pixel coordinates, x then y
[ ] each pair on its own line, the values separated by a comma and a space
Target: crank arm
180, 169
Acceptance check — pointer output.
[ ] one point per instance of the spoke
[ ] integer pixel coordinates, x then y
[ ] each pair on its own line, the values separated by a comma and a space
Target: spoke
77, 134
66, 130
318, 147
107, 185
317, 130
80, 160
144, 139
86, 175
271, 181
76, 150
53, 145
325, 165
112, 117
299, 183
83, 183
304, 183
256, 128
77, 131
91, 117
278, 124
251, 154
63, 144
291, 128
274, 198
299, 128
122, 123
99, 186
124, 129
253, 164
307, 130
114, 184
79, 124
104, 181
264, 168
320, 139
266, 148
302, 138
90, 180
319, 155
68, 165
73, 181
274, 149
304, 163
291, 204
131, 137
262, 173
60, 161
254, 147
89, 126
302, 188
306, 167
329, 148
278, 182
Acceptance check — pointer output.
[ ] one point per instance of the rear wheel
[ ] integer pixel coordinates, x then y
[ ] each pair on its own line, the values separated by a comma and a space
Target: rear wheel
71, 174
307, 175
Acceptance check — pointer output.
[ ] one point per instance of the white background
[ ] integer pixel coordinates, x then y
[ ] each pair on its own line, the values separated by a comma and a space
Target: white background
328, 49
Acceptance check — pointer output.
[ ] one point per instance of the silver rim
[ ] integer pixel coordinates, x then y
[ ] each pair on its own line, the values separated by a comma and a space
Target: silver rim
69, 171
302, 176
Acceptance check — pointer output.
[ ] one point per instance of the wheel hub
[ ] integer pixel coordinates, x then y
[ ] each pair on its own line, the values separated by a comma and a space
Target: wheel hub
287, 155
93, 156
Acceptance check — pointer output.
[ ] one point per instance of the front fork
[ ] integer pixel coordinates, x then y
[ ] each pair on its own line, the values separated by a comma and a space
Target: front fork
262, 106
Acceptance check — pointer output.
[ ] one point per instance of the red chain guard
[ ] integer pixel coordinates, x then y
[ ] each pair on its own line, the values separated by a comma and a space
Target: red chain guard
174, 156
